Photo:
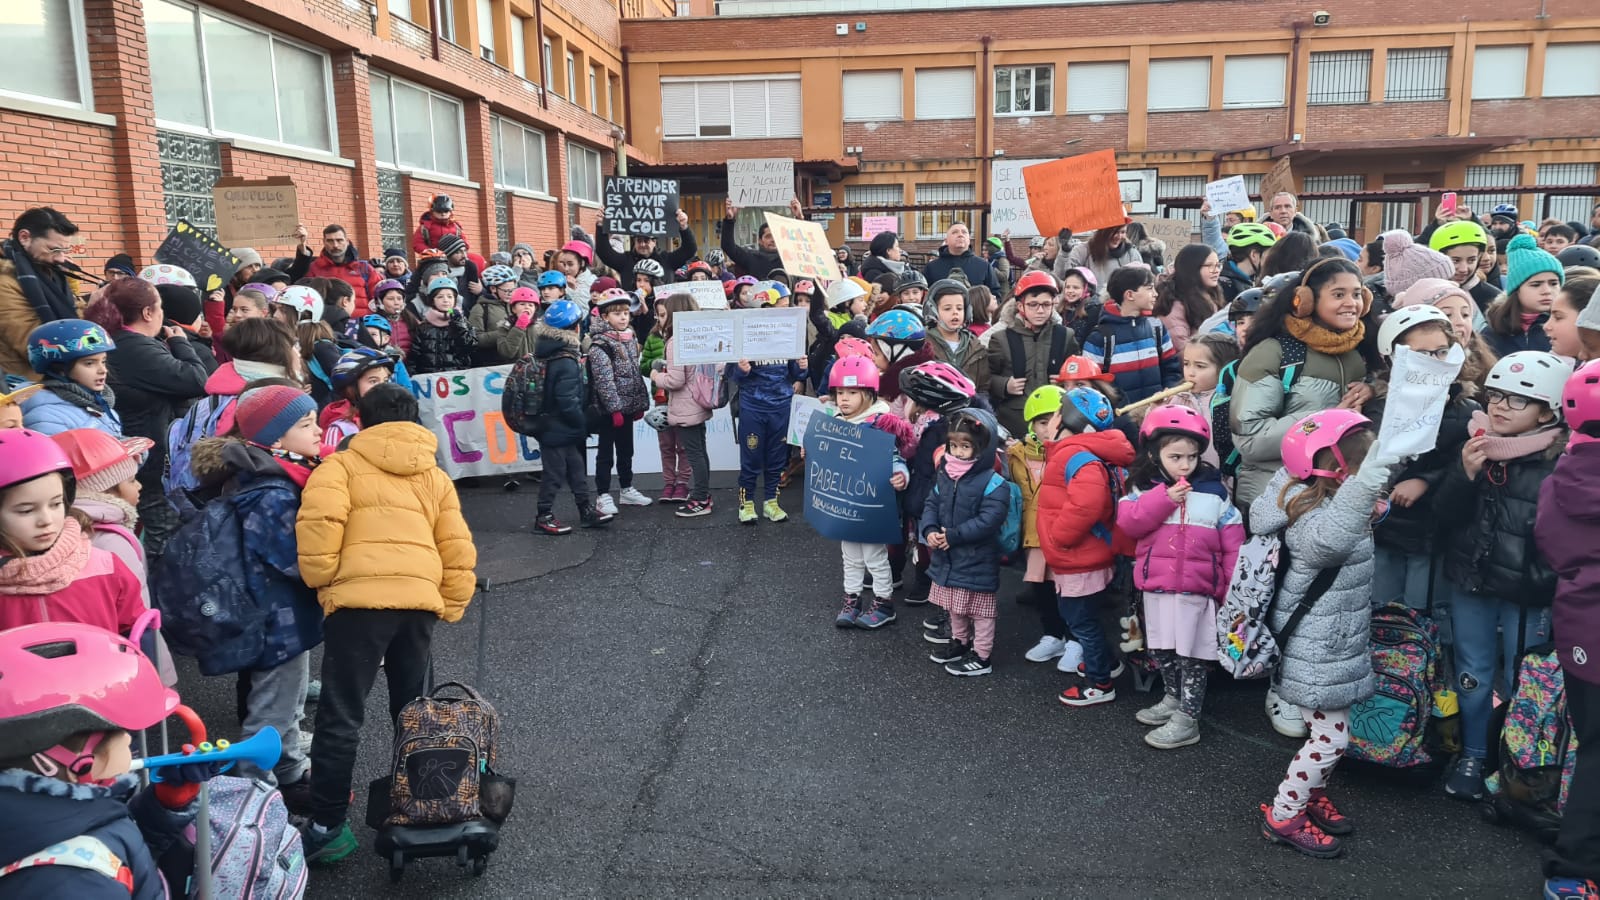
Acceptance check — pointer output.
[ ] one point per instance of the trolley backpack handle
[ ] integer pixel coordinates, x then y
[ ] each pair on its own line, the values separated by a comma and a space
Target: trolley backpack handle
469, 691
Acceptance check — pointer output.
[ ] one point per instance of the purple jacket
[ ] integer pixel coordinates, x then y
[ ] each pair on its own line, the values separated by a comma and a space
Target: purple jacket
1187, 549
1567, 532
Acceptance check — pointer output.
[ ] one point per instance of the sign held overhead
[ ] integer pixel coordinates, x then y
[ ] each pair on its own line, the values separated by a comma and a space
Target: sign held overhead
643, 207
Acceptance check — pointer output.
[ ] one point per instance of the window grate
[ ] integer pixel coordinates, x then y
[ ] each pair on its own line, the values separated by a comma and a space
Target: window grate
1181, 186
1334, 210
1567, 209
502, 220
933, 223
1492, 176
866, 195
1339, 77
1416, 74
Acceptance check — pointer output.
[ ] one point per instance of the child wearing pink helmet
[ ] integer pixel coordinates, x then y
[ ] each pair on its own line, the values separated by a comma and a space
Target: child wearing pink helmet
853, 386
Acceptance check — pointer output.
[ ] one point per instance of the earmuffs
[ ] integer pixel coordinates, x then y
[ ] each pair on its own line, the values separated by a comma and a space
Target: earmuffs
1305, 302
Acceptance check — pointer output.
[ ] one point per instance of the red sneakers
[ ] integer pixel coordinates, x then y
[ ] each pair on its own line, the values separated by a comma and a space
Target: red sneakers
1300, 833
1085, 694
1328, 818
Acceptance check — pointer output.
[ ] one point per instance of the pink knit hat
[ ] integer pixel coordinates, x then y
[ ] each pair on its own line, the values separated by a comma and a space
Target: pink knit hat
1405, 262
1430, 291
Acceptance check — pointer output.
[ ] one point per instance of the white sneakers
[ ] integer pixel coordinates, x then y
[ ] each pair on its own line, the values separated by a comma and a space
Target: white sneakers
605, 506
1048, 648
1285, 717
1072, 658
630, 496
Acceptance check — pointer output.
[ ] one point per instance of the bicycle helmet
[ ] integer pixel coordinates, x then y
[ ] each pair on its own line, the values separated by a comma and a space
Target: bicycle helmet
1505, 211
1248, 213
1404, 319
805, 287
524, 295
612, 297
1272, 286
1251, 234
1456, 234
910, 278
63, 678
390, 284
1277, 230
656, 417
354, 363
91, 450
1081, 368
943, 288
1036, 242
305, 301
1579, 255
1044, 400
650, 267
563, 314
1175, 420
746, 279
496, 275
161, 273
854, 372
1246, 303
441, 283
898, 326
553, 278
849, 345
1037, 280
379, 322
1085, 409
1533, 374
715, 257
26, 454
64, 341
1317, 432
1580, 403
1091, 285
842, 293
698, 266
938, 386
270, 292
581, 250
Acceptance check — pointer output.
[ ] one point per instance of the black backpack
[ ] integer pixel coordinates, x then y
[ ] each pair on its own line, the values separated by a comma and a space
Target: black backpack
1019, 353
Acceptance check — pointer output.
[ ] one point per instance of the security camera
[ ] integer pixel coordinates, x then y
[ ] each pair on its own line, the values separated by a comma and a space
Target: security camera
1321, 17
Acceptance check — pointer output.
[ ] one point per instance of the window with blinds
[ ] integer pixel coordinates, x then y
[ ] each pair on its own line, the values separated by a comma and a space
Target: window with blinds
1178, 84
1339, 77
863, 196
1330, 210
1572, 70
945, 94
1567, 209
519, 159
1416, 74
730, 108
1500, 73
933, 223
1491, 176
1097, 87
873, 96
1252, 82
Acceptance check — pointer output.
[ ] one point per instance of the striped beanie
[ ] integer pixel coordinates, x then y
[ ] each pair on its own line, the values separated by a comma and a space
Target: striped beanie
266, 414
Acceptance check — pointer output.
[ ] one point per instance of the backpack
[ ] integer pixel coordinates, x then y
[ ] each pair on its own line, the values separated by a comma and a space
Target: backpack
1246, 645
1019, 353
708, 387
1115, 476
1010, 536
1390, 728
200, 585
522, 398
177, 477
444, 748
1222, 400
255, 851
1538, 747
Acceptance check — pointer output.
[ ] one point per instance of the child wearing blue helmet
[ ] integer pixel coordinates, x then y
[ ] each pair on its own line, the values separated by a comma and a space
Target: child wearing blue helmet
561, 427
70, 354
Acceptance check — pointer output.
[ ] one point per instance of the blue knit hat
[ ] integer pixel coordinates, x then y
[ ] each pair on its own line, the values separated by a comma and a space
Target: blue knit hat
1524, 260
266, 414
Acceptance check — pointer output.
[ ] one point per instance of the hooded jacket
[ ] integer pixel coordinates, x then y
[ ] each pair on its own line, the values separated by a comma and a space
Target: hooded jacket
1040, 362
1025, 462
441, 349
1136, 351
103, 591
1567, 531
1068, 512
918, 442
361, 275
64, 405
154, 382
1188, 548
1491, 549
1125, 255
614, 370
430, 230
969, 355
380, 527
681, 407
973, 266
561, 421
971, 517
490, 319
1414, 529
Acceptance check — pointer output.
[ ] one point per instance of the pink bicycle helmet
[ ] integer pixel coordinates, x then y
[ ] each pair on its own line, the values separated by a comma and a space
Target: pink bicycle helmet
849, 345
854, 372
1580, 403
1176, 420
580, 249
62, 678
26, 455
1316, 432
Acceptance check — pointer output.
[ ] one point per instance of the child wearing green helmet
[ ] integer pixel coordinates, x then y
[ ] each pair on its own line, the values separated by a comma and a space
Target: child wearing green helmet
1465, 243
1025, 460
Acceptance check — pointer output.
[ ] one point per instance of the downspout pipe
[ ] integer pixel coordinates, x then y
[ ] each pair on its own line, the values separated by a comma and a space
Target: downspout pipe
985, 126
544, 74
433, 32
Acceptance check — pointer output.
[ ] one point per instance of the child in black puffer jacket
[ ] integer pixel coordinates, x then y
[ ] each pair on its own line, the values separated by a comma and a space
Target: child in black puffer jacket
934, 391
441, 337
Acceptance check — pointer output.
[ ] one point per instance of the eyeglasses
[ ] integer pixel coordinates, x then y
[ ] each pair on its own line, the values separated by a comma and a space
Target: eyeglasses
1515, 402
1443, 352
1039, 307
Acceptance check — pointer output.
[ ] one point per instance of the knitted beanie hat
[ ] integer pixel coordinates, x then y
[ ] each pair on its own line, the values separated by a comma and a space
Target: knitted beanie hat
450, 243
1524, 260
1589, 316
125, 468
1405, 262
1430, 291
266, 414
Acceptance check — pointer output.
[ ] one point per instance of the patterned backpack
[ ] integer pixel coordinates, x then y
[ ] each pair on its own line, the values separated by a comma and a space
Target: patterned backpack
255, 852
444, 749
1390, 728
1247, 647
523, 396
1538, 748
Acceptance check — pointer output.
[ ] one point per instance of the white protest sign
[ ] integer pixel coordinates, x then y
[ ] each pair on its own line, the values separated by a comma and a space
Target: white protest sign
1009, 207
772, 333
1227, 194
801, 409
706, 294
1419, 385
724, 336
761, 182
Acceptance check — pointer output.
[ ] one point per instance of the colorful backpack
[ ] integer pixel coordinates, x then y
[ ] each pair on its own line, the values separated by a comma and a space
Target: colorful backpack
444, 748
1247, 647
177, 477
708, 387
255, 851
1390, 728
1115, 477
1010, 536
1538, 747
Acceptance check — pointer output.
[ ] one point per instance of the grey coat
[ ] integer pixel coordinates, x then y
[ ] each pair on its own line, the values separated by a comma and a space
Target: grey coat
1326, 663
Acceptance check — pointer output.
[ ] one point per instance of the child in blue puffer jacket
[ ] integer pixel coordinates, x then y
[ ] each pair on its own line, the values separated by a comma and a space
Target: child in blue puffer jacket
766, 388
71, 356
1130, 344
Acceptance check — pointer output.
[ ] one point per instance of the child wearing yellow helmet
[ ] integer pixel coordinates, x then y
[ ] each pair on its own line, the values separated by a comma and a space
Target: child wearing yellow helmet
1025, 460
1465, 243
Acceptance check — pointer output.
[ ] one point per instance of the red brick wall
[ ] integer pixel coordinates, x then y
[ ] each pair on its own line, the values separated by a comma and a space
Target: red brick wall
1044, 136
80, 182
1375, 121
1555, 117
325, 193
718, 151
933, 139
533, 222
1216, 130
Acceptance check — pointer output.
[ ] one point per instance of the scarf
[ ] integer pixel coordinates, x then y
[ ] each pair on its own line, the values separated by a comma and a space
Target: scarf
50, 571
255, 371
1322, 340
47, 293
1528, 319
1505, 447
129, 515
956, 468
435, 318
893, 265
98, 405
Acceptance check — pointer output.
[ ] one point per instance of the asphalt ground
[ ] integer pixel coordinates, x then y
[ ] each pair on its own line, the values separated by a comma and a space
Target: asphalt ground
684, 720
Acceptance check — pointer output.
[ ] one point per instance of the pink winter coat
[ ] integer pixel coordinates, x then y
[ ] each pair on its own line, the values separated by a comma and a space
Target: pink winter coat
681, 408
1187, 549
71, 582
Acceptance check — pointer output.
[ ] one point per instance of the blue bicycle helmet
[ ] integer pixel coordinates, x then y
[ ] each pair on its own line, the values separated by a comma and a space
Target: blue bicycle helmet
1086, 409
378, 322
498, 275
64, 341
897, 326
553, 278
563, 314
354, 363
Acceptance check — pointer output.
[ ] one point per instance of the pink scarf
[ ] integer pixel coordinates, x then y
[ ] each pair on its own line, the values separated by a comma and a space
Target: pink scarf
957, 467
1503, 447
435, 318
50, 571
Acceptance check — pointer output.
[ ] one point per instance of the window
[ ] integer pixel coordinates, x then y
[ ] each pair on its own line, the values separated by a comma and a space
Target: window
544, 67
1491, 176
447, 20
612, 103
1572, 70
583, 173
945, 94
1097, 87
594, 91
1567, 209
1339, 77
1499, 73
1250, 82
519, 47
401, 8
45, 51
872, 96
415, 128
730, 108
519, 160
1416, 74
1180, 186
682, 8
1023, 91
1179, 84
485, 28
863, 197
572, 78
1330, 210
934, 223
261, 85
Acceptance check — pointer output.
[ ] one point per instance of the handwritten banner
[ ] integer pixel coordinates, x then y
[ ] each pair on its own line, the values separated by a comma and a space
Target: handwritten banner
1079, 192
1227, 195
1175, 232
645, 207
191, 249
724, 336
264, 211
872, 226
803, 247
801, 409
1008, 209
848, 495
761, 182
1419, 385
1279, 179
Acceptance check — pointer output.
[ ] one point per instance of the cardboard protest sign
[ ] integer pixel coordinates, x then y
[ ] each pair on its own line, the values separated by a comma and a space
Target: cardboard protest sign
801, 409
1175, 232
1079, 192
872, 226
1280, 178
263, 211
803, 247
647, 207
706, 294
848, 495
1008, 208
1227, 195
724, 336
1419, 385
761, 182
191, 249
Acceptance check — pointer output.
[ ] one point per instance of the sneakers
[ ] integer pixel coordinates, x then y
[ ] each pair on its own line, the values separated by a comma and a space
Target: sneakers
939, 621
1116, 668
673, 494
549, 524
327, 845
1326, 815
1048, 648
594, 517
1085, 694
313, 690
747, 512
952, 652
1071, 657
1466, 779
940, 632
631, 497
881, 614
773, 511
1300, 833
971, 664
694, 508
1180, 731
1570, 889
1160, 713
848, 613
1285, 717
605, 505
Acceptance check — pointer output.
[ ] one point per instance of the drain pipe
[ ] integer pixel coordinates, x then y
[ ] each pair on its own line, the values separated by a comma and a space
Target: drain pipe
433, 8
1294, 78
544, 74
985, 124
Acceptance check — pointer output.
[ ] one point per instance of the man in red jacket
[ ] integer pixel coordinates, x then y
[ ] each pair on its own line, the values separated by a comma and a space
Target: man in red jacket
437, 222
339, 259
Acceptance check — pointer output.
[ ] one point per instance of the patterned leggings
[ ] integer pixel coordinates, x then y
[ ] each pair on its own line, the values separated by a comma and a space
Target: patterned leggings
1330, 735
1183, 677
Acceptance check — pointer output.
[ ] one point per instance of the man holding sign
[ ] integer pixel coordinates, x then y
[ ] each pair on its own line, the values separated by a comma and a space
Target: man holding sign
644, 246
764, 259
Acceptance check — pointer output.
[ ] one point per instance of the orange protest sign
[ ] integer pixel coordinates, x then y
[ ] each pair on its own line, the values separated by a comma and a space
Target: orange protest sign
1079, 192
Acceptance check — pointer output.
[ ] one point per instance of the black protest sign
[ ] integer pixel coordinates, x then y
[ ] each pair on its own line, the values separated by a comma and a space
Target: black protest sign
645, 207
189, 248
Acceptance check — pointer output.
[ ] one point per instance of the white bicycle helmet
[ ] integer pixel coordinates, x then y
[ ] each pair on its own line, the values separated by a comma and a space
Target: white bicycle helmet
1404, 319
303, 300
1533, 374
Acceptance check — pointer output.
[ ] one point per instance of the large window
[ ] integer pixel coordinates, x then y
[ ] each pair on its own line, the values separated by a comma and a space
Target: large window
544, 67
945, 94
1500, 73
1491, 176
730, 108
447, 19
1097, 87
1250, 82
229, 78
1339, 77
519, 160
45, 55
872, 96
415, 128
1416, 74
1334, 210
583, 173
401, 8
869, 195
1177, 84
594, 90
1024, 90
1572, 70
933, 223
1567, 209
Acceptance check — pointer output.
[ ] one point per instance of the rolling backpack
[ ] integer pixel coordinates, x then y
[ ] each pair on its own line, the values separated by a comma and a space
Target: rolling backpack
1538, 748
1391, 728
1247, 647
177, 477
445, 749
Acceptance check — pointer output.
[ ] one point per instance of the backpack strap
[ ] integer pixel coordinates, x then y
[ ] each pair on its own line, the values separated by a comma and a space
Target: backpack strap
1019, 356
1319, 586
1108, 342
996, 482
466, 689
1077, 461
81, 852
1058, 348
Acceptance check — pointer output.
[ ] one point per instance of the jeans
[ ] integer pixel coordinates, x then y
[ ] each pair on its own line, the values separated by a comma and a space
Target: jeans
276, 698
1082, 615
1577, 851
1480, 653
356, 642
564, 466
693, 440
614, 443
1404, 577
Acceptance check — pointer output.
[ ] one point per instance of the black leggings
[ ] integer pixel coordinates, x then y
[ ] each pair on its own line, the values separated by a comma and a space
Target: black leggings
615, 444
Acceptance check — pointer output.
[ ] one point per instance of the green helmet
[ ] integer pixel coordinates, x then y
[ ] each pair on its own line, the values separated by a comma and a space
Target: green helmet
1250, 234
1455, 234
1043, 401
